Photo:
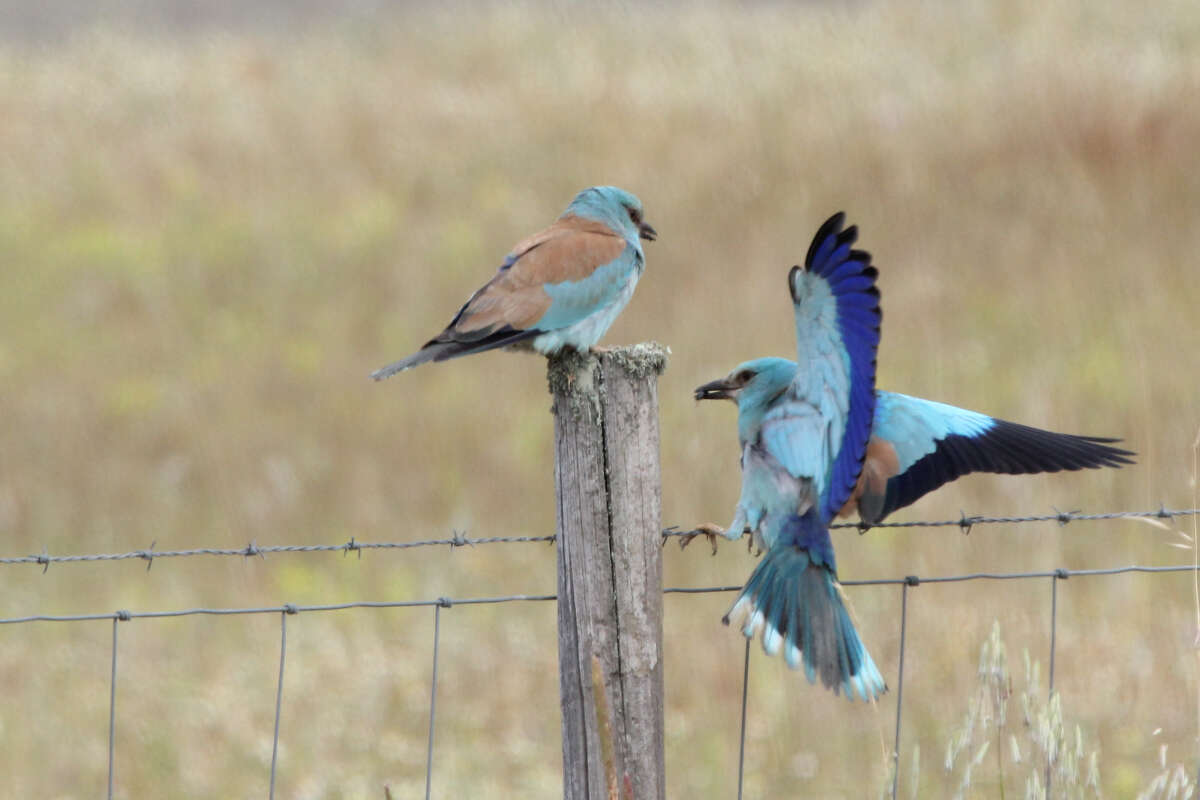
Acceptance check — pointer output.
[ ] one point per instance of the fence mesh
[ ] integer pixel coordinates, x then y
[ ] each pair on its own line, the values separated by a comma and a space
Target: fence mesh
965, 523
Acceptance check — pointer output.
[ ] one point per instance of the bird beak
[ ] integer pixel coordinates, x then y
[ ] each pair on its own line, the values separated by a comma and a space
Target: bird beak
646, 232
716, 390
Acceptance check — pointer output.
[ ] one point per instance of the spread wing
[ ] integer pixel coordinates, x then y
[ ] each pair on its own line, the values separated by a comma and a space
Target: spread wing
837, 317
918, 445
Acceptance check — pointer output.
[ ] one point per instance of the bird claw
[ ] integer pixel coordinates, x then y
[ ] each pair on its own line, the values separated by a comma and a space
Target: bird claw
707, 530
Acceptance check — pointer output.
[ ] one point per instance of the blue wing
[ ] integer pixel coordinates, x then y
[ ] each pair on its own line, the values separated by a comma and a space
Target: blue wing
794, 432
936, 443
837, 334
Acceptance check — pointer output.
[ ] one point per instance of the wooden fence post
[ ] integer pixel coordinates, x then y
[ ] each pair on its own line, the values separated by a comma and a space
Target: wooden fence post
609, 545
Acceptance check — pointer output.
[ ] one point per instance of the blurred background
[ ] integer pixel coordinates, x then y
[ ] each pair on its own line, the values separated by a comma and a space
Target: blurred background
217, 218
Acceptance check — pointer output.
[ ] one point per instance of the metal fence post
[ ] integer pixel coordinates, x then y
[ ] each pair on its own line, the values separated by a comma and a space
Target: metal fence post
609, 571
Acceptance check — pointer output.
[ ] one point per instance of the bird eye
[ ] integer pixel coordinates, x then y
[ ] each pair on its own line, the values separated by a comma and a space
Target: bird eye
745, 376
636, 216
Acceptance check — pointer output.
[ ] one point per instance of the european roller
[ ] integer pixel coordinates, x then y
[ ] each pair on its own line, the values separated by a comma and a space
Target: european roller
917, 445
562, 287
803, 441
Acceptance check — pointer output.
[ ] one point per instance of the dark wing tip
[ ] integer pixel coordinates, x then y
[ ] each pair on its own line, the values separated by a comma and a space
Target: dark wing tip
828, 228
1009, 448
1116, 455
864, 257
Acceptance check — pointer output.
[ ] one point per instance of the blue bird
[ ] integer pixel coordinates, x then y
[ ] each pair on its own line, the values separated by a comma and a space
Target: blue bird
911, 447
917, 445
803, 433
562, 287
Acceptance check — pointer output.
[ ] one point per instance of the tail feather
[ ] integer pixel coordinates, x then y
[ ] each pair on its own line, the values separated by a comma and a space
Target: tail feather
798, 606
429, 352
441, 349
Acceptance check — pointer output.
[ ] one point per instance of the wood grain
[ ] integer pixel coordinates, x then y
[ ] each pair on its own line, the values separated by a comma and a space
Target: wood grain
610, 571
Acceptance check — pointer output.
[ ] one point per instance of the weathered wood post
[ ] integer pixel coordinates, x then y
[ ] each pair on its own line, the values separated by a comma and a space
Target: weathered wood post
609, 571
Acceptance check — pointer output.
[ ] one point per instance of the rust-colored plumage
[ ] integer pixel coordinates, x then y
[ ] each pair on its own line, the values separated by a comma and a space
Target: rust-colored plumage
569, 250
880, 464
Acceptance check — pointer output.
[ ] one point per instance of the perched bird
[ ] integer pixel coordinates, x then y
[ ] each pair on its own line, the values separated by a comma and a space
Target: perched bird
559, 288
917, 445
803, 442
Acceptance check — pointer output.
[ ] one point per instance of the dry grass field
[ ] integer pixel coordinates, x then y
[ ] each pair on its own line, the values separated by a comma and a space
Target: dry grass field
208, 240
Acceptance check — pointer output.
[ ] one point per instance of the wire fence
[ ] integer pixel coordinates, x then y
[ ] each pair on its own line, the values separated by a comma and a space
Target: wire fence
458, 539
965, 523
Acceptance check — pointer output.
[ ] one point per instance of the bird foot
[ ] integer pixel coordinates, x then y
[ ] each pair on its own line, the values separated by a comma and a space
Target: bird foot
599, 350
708, 530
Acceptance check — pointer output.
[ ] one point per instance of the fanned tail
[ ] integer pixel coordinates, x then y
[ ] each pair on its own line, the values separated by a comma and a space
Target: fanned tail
794, 598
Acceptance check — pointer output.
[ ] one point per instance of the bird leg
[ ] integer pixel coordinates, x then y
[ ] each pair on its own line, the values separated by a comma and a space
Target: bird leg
708, 530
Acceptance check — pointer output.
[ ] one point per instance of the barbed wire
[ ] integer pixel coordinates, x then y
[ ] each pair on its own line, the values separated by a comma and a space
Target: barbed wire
460, 539
254, 549
966, 522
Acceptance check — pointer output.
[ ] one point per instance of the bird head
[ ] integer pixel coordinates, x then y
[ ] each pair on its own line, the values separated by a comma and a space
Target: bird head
754, 382
753, 385
616, 208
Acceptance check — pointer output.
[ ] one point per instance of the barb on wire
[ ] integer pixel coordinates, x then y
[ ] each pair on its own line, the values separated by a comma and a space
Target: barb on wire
148, 555
459, 539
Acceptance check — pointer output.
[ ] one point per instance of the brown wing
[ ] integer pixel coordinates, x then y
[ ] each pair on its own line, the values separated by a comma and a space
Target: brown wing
880, 464
502, 312
569, 250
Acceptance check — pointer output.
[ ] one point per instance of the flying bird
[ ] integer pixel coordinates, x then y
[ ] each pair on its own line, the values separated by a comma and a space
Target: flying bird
894, 449
562, 287
803, 441
917, 445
